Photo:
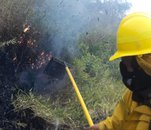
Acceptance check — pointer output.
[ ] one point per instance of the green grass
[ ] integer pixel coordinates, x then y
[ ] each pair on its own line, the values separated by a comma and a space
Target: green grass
100, 89
97, 84
66, 108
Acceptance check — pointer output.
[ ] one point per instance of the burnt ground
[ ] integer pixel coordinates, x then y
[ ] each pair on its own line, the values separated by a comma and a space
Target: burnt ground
9, 86
16, 73
24, 56
10, 83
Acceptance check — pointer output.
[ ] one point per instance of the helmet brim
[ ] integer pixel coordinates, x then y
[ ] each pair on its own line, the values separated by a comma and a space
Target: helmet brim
115, 56
120, 54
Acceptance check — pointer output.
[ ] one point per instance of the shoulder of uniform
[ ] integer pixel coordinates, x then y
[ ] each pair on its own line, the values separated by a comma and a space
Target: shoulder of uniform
127, 100
127, 96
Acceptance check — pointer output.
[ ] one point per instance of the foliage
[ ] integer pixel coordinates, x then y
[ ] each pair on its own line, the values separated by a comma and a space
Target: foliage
52, 111
100, 45
6, 43
36, 104
98, 79
14, 15
99, 90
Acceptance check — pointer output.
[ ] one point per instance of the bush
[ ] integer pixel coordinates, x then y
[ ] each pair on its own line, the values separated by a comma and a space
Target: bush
14, 15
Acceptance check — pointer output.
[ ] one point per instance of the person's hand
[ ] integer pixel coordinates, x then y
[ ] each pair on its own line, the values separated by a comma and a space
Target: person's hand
99, 126
94, 127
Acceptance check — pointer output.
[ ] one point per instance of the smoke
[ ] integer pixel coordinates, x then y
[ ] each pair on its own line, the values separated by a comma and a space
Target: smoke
66, 20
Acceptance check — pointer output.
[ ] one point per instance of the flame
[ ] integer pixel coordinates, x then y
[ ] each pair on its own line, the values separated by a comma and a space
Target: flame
41, 60
34, 58
26, 29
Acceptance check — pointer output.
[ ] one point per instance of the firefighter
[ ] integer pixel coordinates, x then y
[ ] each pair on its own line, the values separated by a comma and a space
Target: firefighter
133, 112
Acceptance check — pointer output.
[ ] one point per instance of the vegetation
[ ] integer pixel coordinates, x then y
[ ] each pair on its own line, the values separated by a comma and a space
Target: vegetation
98, 79
99, 86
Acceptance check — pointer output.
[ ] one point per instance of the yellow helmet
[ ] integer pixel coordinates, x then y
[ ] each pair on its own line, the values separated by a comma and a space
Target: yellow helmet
133, 36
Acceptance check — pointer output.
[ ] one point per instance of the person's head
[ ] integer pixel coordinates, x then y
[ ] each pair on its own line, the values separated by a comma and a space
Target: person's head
133, 36
134, 49
134, 39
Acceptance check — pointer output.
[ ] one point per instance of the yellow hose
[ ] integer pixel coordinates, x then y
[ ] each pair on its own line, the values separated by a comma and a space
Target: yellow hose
87, 115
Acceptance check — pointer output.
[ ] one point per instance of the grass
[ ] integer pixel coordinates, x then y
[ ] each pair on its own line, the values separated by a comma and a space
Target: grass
66, 108
99, 88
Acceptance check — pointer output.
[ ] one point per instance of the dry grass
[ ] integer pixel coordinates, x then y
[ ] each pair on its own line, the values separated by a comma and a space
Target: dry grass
67, 110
